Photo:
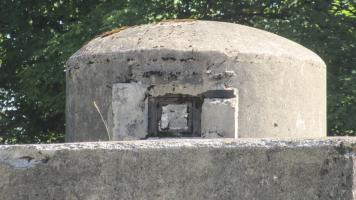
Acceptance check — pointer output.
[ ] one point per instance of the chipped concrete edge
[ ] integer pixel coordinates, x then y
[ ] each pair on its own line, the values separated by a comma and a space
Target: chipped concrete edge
346, 144
240, 56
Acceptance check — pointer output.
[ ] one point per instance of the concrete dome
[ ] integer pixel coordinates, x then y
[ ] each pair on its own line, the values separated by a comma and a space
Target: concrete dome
227, 38
280, 85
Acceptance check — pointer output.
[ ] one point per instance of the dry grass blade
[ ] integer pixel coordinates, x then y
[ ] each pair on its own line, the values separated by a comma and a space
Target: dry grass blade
102, 118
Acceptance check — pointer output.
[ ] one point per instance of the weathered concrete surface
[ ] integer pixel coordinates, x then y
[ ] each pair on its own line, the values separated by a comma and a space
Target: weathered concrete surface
219, 118
174, 117
181, 169
281, 84
129, 105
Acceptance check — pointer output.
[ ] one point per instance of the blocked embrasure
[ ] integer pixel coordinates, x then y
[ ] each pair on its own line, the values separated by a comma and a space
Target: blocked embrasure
174, 117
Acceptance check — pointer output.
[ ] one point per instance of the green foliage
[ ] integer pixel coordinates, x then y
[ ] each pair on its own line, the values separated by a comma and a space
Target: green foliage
37, 37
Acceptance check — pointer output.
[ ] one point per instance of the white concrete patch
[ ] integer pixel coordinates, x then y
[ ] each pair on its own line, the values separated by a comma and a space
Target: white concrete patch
300, 123
219, 117
130, 111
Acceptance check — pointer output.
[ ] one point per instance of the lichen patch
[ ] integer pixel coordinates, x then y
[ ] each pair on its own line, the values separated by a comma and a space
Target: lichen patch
116, 30
177, 20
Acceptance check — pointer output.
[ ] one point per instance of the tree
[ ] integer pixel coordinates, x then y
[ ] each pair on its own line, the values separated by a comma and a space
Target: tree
32, 79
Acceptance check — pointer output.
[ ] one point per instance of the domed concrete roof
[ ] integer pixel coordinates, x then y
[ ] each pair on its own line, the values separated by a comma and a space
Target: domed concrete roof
227, 38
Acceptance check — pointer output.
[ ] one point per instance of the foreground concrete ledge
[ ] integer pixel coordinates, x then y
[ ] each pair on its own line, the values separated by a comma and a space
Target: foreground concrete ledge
319, 168
167, 143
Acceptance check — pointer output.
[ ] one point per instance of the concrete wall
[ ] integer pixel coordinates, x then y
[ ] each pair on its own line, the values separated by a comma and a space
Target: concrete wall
181, 169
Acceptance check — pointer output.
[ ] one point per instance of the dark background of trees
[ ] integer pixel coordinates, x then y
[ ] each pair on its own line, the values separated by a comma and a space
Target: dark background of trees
37, 37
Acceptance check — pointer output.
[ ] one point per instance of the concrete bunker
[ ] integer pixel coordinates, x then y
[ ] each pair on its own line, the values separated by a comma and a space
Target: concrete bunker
194, 79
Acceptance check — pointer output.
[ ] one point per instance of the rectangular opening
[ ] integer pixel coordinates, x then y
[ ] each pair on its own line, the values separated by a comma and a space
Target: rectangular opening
174, 116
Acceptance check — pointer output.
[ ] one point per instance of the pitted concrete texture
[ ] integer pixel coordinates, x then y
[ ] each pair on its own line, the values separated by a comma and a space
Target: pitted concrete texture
281, 85
265, 169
